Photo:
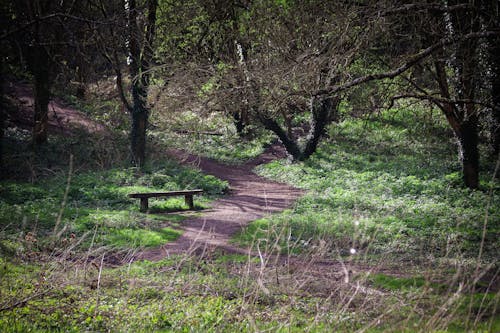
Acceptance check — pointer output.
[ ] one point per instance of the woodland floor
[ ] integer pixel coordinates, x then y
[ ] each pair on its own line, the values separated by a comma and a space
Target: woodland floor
250, 197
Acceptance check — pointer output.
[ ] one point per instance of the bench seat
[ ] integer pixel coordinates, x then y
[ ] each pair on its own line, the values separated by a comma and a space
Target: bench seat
188, 195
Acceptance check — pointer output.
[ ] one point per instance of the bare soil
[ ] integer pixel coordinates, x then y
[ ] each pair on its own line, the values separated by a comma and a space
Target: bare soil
62, 118
251, 197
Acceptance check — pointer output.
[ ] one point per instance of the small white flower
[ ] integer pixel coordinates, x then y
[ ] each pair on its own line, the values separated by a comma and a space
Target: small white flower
352, 250
356, 223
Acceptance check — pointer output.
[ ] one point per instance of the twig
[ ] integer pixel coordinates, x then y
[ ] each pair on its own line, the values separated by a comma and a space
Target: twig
24, 301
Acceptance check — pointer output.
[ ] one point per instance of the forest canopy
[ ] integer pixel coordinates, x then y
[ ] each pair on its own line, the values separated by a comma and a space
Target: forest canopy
286, 66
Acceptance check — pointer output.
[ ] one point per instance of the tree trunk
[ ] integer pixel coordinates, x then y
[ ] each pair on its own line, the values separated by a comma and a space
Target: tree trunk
290, 145
462, 117
40, 70
238, 122
323, 113
2, 117
494, 52
138, 136
139, 66
469, 140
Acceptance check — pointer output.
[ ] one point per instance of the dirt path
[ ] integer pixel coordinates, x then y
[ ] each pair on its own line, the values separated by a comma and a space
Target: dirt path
62, 118
251, 197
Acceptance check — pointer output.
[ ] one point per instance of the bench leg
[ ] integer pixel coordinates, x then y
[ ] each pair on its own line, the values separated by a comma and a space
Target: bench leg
144, 204
189, 201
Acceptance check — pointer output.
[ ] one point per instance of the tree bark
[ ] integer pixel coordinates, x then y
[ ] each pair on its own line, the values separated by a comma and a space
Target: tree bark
139, 66
324, 111
291, 146
38, 61
238, 122
40, 68
469, 140
465, 124
2, 118
138, 136
462, 117
494, 59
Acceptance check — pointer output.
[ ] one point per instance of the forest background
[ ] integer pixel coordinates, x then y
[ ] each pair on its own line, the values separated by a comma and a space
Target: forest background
389, 115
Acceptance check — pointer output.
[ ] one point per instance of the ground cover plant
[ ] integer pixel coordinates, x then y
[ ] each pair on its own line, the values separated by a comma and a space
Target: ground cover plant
386, 191
94, 205
384, 240
388, 185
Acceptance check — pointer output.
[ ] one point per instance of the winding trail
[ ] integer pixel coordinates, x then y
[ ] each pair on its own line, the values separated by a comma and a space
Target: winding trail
251, 197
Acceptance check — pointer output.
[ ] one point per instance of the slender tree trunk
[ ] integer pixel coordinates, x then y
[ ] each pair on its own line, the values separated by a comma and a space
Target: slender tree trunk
2, 117
494, 52
139, 115
238, 122
140, 59
470, 154
40, 70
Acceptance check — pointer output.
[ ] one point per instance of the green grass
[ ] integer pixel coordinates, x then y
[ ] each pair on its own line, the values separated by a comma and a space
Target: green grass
383, 187
182, 294
386, 188
98, 200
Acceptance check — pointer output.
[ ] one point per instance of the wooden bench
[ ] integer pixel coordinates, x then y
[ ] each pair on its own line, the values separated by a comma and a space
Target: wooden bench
188, 195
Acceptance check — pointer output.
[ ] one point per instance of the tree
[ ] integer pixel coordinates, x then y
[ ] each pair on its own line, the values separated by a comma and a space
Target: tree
458, 71
297, 52
138, 25
33, 15
491, 20
462, 115
140, 57
47, 35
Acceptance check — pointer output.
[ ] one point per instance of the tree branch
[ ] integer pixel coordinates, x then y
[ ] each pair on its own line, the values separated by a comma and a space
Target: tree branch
415, 59
439, 100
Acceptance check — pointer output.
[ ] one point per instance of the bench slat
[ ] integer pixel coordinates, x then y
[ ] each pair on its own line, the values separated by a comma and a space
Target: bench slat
188, 196
164, 194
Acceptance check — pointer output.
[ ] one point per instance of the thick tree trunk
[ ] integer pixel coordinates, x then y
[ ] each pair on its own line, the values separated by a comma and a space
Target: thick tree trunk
40, 70
463, 118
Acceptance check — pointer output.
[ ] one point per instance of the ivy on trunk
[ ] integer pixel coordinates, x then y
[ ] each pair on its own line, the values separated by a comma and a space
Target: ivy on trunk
140, 57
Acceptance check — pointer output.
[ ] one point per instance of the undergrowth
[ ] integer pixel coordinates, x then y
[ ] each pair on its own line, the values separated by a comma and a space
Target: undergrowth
95, 205
381, 187
385, 240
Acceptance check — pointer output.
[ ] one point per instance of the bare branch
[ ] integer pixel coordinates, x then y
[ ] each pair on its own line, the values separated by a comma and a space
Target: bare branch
439, 100
415, 59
